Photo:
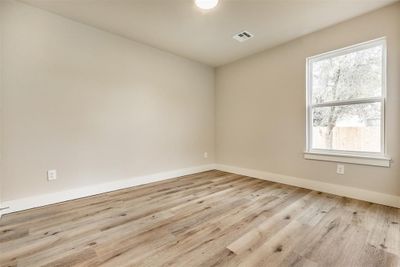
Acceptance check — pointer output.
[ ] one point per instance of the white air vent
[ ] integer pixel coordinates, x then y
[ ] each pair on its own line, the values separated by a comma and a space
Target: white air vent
243, 36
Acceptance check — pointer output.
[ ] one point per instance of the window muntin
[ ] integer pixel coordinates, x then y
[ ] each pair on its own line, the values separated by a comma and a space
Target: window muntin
345, 99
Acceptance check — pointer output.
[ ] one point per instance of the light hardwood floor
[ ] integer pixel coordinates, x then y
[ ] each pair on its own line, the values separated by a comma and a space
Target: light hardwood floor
207, 219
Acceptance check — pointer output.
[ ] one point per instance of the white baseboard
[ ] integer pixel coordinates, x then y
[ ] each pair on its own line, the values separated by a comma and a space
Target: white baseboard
340, 190
47, 199
351, 192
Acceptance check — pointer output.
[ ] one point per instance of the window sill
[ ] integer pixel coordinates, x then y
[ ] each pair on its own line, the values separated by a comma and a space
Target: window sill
383, 161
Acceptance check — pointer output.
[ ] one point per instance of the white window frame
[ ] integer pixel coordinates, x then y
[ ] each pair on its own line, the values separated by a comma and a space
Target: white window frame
355, 157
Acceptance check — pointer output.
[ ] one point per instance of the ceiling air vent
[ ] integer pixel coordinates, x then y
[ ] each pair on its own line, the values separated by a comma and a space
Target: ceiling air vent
243, 36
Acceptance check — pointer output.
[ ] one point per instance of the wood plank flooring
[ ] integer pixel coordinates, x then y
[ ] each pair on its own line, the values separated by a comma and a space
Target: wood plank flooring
208, 219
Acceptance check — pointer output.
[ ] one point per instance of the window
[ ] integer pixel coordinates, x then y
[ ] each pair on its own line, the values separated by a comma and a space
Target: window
346, 91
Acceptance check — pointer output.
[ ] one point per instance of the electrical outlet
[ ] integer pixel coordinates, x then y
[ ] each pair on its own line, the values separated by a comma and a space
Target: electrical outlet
51, 175
205, 155
340, 169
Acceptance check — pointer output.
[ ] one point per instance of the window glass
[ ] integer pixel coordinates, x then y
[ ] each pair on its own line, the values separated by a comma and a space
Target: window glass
348, 127
349, 76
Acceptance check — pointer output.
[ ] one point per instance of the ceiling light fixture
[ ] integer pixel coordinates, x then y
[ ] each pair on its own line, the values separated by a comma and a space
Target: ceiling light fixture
206, 4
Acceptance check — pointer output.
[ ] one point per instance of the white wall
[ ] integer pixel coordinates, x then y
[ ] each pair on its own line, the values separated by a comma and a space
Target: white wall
95, 106
100, 108
1, 104
261, 106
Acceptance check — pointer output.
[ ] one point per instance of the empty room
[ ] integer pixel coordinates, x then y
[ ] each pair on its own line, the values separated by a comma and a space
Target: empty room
200, 133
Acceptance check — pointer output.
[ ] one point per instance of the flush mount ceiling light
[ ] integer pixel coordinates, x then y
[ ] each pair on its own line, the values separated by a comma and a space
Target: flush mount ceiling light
206, 4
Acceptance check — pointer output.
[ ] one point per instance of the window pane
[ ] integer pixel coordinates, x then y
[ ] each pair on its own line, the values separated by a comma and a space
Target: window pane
350, 127
350, 76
